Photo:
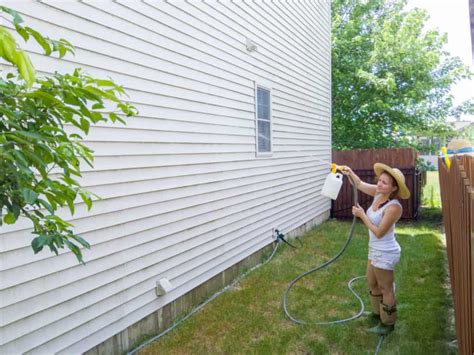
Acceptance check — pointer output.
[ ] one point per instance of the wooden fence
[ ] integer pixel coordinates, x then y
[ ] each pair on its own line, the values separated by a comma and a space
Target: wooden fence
362, 162
457, 197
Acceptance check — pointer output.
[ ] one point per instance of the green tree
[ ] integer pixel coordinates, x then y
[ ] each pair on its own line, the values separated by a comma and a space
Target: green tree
391, 77
42, 123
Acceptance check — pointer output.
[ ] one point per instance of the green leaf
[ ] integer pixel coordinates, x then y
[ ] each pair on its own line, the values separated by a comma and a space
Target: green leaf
102, 82
8, 46
113, 116
16, 17
62, 53
31, 135
45, 152
13, 136
22, 32
29, 195
53, 248
26, 69
75, 249
82, 241
86, 198
43, 42
46, 97
35, 159
70, 203
85, 125
88, 94
38, 243
75, 135
46, 205
16, 210
21, 158
9, 113
71, 99
70, 181
98, 106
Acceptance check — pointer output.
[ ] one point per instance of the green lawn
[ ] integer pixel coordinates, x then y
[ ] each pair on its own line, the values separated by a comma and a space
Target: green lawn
431, 194
249, 318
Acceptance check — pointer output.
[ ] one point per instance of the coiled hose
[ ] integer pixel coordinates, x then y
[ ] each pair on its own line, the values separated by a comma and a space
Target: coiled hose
327, 263
349, 285
277, 242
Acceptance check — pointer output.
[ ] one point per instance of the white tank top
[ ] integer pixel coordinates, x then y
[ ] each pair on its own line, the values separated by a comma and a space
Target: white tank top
388, 241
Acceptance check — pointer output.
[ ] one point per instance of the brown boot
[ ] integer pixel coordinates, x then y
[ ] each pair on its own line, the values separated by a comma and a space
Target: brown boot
388, 317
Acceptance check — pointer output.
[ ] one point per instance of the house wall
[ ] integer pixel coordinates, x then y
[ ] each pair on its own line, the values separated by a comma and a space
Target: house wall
433, 159
184, 195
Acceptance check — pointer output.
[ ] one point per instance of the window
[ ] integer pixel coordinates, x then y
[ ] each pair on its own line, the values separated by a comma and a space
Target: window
264, 131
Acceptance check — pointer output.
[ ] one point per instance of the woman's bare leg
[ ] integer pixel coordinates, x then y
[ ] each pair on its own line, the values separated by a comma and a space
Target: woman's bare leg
385, 283
375, 294
372, 280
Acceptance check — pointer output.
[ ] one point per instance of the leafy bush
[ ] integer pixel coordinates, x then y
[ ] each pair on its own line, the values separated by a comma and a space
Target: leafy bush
42, 123
423, 165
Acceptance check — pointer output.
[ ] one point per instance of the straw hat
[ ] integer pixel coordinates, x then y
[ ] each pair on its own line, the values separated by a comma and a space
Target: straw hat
459, 146
403, 191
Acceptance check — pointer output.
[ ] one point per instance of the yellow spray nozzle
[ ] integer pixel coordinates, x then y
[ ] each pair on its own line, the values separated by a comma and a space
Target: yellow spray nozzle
335, 167
445, 157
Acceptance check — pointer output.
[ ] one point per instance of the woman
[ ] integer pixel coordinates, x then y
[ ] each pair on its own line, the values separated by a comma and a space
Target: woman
384, 251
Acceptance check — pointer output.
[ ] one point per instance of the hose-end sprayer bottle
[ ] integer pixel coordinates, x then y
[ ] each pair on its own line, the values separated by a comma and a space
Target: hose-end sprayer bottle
332, 184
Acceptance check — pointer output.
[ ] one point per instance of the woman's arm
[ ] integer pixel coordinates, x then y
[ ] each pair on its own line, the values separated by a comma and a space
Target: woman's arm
391, 216
366, 188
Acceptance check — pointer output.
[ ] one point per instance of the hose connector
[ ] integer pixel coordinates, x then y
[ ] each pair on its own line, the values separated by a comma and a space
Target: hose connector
281, 237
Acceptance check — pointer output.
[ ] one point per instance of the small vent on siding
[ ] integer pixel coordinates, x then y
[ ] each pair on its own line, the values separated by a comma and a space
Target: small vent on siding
163, 286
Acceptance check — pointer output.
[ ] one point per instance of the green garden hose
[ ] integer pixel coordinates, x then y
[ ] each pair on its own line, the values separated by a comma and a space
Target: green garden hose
349, 285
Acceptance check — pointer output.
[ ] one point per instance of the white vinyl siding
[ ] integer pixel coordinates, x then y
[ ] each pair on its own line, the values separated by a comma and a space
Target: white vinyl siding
183, 194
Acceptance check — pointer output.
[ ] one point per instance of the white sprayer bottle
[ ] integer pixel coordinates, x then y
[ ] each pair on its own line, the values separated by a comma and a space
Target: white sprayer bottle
332, 185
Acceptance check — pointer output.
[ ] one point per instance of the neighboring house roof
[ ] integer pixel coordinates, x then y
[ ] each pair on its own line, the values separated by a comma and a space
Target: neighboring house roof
461, 125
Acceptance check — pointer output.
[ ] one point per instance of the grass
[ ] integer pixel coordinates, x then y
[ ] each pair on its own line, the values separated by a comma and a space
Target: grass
249, 318
431, 194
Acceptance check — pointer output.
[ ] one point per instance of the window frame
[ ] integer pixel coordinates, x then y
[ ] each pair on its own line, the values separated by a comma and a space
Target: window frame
267, 87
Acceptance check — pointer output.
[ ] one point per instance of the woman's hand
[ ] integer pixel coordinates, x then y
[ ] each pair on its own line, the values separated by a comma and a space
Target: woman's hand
358, 211
346, 170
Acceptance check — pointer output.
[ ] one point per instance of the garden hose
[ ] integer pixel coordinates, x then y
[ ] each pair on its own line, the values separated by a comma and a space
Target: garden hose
134, 351
327, 263
279, 238
349, 285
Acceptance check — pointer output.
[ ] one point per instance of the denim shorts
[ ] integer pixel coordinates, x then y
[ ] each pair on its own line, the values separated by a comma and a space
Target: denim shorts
384, 259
